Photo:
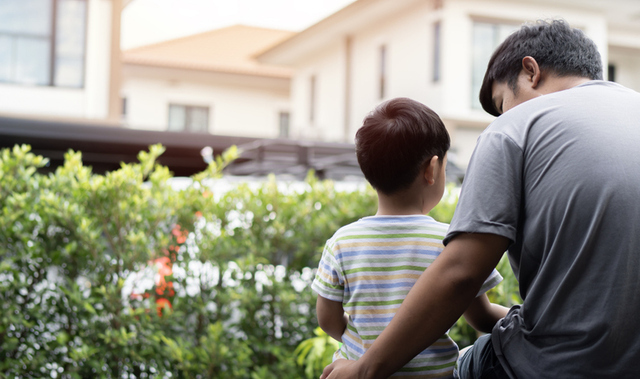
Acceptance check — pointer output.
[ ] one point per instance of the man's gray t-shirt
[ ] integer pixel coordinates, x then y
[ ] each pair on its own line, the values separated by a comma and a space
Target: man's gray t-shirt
559, 176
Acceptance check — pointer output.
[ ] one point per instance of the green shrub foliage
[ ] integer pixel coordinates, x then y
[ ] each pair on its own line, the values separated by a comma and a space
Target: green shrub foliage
123, 276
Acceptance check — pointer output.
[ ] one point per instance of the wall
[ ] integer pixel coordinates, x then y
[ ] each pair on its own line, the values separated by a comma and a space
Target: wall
328, 68
627, 66
238, 105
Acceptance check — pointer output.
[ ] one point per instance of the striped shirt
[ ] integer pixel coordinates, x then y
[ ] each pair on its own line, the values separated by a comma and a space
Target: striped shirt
370, 266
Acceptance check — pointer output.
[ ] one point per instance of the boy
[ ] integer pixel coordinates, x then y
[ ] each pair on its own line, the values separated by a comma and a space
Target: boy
368, 267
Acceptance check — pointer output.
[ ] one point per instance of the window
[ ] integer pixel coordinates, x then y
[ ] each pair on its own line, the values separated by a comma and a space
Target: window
123, 107
187, 118
382, 72
42, 42
611, 72
486, 37
312, 99
436, 52
283, 121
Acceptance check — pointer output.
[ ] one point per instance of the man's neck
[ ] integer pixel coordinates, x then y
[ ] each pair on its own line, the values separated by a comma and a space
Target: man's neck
556, 83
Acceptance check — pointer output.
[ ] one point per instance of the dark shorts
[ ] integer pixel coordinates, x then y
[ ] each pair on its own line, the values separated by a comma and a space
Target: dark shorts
480, 361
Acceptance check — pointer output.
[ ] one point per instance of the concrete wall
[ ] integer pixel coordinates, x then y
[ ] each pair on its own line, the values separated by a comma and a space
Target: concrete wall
238, 105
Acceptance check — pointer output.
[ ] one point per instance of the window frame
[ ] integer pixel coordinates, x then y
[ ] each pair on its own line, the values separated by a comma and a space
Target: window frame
188, 109
51, 40
382, 71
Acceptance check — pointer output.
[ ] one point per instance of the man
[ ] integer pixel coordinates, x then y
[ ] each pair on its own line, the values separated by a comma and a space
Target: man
556, 181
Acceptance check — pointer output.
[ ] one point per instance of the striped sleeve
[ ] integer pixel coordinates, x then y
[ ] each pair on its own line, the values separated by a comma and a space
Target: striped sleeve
329, 280
492, 281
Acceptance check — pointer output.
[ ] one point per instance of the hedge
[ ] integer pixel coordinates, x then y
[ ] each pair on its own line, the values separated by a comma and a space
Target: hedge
124, 276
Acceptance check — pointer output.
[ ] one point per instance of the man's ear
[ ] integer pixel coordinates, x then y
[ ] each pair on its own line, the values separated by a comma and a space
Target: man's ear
532, 70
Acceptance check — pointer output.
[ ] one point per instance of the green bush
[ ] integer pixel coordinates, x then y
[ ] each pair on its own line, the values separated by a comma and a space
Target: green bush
121, 275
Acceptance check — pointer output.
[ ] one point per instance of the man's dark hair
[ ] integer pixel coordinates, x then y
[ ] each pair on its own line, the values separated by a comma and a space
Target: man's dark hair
396, 140
553, 44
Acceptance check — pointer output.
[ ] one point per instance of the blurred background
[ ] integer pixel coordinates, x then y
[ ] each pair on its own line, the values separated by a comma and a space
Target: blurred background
111, 270
289, 81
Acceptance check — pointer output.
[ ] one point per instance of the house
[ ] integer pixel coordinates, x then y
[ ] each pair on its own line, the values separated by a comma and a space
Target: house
434, 51
61, 80
208, 82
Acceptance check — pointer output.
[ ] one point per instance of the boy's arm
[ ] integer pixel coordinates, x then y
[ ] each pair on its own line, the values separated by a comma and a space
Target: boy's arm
482, 315
331, 317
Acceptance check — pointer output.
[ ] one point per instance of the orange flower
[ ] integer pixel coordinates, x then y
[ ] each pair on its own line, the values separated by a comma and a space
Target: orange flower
161, 304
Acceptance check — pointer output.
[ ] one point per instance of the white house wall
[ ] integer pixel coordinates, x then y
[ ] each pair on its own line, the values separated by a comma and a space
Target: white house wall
234, 109
328, 68
408, 40
627, 66
92, 101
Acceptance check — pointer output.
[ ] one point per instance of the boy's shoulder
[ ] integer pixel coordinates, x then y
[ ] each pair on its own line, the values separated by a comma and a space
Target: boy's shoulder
391, 224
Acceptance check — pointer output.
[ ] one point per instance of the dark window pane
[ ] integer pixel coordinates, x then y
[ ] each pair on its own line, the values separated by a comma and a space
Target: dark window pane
383, 71
312, 99
486, 37
124, 105
436, 52
611, 72
284, 124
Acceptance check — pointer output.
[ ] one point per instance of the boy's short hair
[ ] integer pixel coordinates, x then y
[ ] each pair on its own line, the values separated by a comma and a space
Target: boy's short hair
553, 44
396, 140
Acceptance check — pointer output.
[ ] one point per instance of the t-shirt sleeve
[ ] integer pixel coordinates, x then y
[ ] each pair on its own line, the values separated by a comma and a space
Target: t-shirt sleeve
492, 281
491, 192
329, 281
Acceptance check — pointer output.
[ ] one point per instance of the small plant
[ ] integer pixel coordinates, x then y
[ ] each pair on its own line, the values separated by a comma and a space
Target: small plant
316, 353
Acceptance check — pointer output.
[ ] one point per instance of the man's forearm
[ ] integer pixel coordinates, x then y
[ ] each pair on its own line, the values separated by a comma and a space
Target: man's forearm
426, 314
437, 300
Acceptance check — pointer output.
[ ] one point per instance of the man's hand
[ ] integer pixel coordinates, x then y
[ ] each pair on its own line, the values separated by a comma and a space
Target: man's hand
341, 368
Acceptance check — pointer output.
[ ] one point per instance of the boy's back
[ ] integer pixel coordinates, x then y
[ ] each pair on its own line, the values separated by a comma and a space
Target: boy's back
370, 266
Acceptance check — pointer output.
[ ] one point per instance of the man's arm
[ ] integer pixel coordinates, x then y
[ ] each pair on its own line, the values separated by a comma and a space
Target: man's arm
331, 317
439, 297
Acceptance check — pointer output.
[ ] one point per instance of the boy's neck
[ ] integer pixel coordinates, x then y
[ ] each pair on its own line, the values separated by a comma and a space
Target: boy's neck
400, 204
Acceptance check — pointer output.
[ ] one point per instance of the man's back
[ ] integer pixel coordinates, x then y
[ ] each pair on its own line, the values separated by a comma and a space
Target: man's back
568, 184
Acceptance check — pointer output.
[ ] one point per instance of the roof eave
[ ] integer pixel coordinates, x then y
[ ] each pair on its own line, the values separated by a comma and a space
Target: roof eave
331, 29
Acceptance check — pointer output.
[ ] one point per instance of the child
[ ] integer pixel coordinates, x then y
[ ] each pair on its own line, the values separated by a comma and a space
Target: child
369, 266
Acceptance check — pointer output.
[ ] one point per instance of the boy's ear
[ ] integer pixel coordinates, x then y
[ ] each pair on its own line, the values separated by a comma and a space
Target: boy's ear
430, 170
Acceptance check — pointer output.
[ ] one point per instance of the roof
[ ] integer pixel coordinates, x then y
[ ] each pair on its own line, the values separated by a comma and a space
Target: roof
332, 29
105, 146
621, 15
231, 50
